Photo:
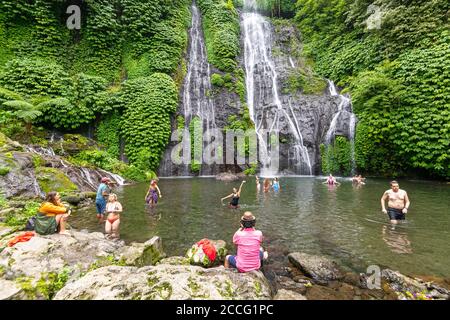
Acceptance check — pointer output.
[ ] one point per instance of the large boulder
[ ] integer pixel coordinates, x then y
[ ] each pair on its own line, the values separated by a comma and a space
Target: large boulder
167, 282
284, 294
142, 254
227, 176
320, 269
44, 263
11, 291
413, 288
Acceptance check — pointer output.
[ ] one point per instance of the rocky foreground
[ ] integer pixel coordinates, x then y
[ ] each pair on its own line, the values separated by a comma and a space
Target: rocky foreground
87, 266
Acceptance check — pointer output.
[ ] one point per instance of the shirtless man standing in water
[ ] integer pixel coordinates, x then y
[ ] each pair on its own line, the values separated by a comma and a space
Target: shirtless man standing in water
398, 203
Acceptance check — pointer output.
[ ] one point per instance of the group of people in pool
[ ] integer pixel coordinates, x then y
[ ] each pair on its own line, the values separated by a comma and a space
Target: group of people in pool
53, 214
236, 194
358, 180
107, 205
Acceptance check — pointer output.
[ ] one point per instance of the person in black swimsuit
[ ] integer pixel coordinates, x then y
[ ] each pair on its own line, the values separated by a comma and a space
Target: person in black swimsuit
234, 203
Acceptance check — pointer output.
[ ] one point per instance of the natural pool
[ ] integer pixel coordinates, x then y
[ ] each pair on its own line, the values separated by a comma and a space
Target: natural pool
344, 222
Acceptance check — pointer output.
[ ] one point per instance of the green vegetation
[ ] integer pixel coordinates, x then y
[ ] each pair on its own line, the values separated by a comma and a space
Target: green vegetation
303, 77
278, 8
4, 171
397, 74
146, 123
116, 69
52, 179
336, 158
19, 219
222, 31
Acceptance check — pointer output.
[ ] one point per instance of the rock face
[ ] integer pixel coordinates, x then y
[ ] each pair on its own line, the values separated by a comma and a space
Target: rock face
308, 108
45, 259
318, 268
403, 284
30, 171
284, 294
227, 176
166, 282
199, 98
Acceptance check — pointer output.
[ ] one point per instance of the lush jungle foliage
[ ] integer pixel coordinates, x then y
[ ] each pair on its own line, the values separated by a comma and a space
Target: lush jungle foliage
337, 157
118, 72
393, 57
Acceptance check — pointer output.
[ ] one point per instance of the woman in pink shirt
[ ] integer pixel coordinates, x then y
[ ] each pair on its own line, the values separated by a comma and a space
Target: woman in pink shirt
248, 241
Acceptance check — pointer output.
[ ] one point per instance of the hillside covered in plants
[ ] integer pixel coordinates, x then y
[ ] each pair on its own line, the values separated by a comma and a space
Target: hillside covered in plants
120, 73
392, 56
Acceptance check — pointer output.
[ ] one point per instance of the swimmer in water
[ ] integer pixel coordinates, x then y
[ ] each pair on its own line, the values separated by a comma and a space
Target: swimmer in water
276, 185
331, 181
234, 203
266, 185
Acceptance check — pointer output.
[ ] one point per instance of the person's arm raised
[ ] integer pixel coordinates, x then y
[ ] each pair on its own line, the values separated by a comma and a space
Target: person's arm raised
240, 188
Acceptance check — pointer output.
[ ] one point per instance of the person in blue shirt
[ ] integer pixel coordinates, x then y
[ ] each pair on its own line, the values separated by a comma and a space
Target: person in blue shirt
276, 185
103, 192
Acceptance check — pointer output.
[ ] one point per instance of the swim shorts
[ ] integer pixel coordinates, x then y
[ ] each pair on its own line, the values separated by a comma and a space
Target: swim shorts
395, 214
100, 204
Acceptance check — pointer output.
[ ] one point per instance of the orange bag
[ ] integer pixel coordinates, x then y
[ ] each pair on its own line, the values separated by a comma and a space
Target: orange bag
24, 237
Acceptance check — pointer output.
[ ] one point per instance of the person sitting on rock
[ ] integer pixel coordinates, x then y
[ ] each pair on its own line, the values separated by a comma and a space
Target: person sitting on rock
52, 215
248, 241
113, 210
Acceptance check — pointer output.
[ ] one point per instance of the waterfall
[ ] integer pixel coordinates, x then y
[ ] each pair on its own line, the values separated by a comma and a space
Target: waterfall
352, 127
196, 99
61, 141
263, 100
41, 151
37, 189
86, 175
343, 107
292, 62
117, 178
120, 181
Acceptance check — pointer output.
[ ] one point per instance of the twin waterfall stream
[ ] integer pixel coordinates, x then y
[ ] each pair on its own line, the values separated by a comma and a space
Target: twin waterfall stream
273, 113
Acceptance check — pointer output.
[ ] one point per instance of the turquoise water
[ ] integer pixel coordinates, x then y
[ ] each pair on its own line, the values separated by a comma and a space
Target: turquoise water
344, 222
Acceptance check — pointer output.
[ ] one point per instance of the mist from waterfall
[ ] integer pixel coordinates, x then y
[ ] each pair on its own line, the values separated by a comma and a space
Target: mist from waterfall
265, 107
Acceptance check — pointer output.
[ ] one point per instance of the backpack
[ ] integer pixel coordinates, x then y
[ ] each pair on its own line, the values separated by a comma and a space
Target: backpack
31, 223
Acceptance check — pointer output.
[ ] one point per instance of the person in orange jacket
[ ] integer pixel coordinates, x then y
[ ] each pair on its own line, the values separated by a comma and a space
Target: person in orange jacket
52, 214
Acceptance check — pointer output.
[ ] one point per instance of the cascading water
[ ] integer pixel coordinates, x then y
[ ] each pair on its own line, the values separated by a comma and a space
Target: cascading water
196, 101
344, 107
265, 107
88, 177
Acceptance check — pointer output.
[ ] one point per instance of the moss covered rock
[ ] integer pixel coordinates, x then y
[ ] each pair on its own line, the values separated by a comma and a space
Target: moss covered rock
52, 179
167, 282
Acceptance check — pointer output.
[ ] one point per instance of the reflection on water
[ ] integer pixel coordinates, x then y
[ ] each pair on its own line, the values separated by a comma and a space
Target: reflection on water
396, 240
344, 222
